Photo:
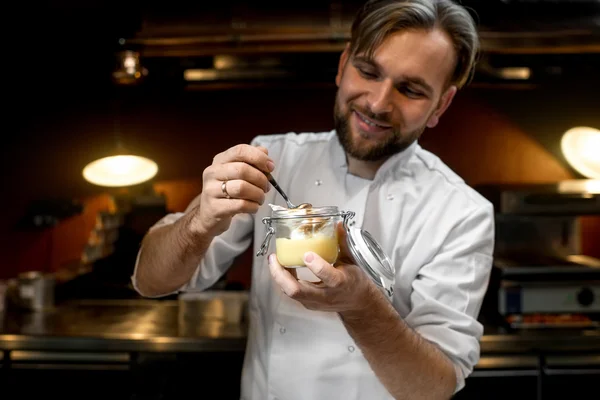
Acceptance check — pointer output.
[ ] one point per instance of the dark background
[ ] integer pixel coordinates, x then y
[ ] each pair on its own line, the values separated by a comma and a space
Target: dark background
63, 106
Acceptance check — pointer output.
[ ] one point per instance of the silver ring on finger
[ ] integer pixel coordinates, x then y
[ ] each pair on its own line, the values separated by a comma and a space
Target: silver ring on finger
224, 189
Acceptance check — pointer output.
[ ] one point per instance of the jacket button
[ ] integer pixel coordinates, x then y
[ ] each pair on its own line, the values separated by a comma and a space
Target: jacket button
351, 349
282, 330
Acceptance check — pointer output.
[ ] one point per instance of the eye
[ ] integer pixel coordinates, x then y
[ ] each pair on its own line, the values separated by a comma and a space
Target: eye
365, 73
414, 94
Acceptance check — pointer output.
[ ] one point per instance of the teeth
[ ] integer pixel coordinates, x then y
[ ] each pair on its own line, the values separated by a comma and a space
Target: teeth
369, 122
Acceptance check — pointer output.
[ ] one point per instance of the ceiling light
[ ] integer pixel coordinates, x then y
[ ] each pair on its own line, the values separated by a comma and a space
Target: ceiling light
120, 170
517, 73
581, 148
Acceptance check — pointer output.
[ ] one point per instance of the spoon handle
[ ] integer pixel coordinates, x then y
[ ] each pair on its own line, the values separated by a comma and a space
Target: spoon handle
281, 192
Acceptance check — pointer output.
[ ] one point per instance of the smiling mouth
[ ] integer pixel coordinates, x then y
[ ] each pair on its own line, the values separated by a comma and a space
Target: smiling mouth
370, 122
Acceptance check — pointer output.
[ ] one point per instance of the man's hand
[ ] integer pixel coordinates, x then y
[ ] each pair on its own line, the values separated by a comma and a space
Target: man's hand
343, 287
235, 183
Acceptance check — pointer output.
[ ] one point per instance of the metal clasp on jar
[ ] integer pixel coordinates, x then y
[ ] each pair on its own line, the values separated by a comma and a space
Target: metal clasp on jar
347, 216
270, 232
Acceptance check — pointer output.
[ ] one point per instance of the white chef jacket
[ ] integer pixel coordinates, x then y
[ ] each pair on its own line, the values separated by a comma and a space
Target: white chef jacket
437, 231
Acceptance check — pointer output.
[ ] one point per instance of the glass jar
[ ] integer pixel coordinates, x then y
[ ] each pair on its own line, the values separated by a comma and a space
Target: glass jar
300, 230
314, 229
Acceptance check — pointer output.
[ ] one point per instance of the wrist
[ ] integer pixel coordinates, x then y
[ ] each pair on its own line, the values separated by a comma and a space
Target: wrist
366, 301
193, 230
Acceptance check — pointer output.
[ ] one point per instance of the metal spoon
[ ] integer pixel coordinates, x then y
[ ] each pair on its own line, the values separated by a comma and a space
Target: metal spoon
282, 193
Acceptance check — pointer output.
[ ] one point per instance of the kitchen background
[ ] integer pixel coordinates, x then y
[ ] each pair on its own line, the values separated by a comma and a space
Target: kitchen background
269, 68
63, 105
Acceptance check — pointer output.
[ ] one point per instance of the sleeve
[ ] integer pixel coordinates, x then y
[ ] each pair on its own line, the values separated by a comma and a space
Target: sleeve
448, 292
218, 258
221, 253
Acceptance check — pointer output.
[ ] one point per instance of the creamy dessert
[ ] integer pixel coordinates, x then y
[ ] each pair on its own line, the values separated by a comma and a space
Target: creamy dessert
307, 233
290, 252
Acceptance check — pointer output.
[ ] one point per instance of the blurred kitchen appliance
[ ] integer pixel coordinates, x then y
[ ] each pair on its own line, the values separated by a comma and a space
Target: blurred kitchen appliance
540, 278
33, 291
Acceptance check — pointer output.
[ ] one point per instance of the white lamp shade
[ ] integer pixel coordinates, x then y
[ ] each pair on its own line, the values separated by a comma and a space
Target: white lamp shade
581, 148
120, 170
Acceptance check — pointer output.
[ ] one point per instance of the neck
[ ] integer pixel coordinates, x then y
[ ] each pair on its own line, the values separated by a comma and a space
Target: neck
363, 169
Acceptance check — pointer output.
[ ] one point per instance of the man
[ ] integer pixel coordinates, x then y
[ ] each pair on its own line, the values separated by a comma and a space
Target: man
341, 338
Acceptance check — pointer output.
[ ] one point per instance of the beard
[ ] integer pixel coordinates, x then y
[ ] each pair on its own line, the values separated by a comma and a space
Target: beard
396, 142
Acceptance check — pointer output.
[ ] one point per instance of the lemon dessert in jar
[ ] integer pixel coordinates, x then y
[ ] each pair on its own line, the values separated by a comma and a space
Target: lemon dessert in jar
290, 252
298, 231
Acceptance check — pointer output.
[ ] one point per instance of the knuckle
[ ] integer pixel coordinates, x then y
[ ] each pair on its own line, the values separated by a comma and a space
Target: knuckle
257, 156
294, 292
249, 173
318, 269
206, 174
335, 282
217, 158
239, 150
339, 280
239, 170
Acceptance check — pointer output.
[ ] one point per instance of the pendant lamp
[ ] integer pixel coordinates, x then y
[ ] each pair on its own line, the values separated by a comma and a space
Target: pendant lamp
581, 148
121, 167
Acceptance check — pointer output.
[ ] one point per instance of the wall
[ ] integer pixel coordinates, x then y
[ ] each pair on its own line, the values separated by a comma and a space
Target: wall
480, 141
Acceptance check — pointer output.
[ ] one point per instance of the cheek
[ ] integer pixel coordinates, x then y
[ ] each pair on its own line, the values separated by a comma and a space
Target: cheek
351, 86
412, 113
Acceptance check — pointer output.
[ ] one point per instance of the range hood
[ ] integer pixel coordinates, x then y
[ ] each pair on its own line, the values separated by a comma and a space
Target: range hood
523, 41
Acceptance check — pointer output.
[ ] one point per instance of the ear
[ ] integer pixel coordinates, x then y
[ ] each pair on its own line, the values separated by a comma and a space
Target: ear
443, 105
342, 64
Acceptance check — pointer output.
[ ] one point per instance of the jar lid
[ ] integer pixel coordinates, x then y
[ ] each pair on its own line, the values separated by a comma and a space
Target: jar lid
299, 213
369, 255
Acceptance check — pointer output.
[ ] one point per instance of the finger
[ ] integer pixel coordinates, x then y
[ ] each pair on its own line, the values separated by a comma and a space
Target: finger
328, 274
237, 189
292, 272
248, 154
263, 149
239, 170
315, 291
229, 207
283, 278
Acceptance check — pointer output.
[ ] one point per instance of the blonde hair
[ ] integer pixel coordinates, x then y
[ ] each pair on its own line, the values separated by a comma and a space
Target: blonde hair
377, 19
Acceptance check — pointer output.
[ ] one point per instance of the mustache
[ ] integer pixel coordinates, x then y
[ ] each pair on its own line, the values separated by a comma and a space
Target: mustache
384, 118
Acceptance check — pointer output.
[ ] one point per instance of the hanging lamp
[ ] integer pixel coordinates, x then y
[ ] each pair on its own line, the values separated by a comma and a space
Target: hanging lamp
121, 167
581, 148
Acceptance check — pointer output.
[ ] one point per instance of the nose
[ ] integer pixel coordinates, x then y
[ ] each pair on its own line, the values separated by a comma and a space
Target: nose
380, 97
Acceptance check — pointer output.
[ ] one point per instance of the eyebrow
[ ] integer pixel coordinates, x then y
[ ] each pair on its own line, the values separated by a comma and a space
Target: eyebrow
417, 80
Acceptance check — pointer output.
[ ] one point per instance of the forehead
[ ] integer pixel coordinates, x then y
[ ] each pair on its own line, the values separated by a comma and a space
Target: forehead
426, 54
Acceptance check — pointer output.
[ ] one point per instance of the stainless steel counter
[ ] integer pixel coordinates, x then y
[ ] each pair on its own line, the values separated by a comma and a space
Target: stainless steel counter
159, 326
550, 340
118, 325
